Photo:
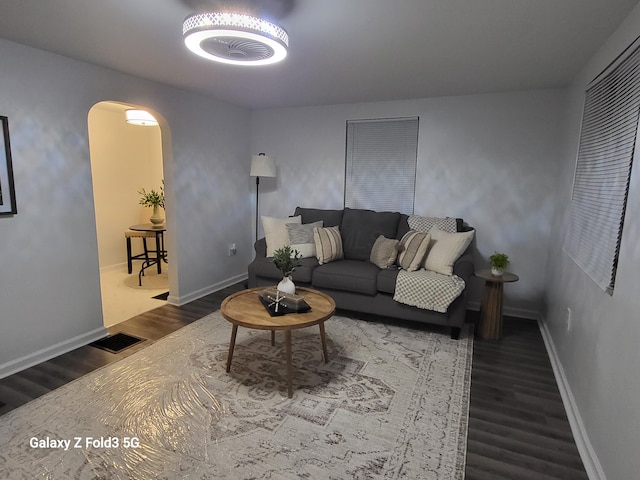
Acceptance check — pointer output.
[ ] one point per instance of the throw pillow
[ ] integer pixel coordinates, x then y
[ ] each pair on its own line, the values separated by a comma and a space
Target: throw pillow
275, 232
446, 248
384, 252
328, 244
413, 248
301, 238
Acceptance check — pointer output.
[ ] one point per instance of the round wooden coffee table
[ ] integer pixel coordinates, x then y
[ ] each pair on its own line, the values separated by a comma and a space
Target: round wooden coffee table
245, 309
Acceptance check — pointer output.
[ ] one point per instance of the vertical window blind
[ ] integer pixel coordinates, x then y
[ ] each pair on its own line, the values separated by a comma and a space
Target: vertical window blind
381, 160
603, 170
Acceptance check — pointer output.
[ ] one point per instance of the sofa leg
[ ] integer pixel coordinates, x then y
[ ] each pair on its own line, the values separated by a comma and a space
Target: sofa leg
455, 333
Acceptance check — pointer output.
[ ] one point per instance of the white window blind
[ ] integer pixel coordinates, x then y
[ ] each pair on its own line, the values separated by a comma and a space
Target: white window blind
603, 170
381, 164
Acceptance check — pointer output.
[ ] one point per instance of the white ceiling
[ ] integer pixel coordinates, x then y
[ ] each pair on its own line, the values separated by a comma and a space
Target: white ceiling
341, 51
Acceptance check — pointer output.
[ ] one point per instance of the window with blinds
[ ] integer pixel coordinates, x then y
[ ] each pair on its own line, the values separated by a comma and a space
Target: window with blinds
381, 161
603, 169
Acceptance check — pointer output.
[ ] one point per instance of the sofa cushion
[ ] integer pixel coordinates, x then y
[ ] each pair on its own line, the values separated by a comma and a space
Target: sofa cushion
387, 280
265, 268
349, 275
403, 226
328, 244
329, 218
361, 228
301, 238
384, 252
413, 249
275, 232
445, 249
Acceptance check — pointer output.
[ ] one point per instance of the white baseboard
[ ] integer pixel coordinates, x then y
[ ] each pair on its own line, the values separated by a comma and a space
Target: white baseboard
587, 453
48, 353
190, 297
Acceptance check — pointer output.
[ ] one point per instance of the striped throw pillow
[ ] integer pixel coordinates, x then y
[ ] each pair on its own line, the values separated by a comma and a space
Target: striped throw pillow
328, 244
413, 249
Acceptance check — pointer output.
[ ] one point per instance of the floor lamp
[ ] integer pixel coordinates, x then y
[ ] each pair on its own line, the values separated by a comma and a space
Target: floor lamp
261, 166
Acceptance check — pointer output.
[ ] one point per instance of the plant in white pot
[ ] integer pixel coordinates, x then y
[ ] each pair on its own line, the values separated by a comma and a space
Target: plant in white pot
499, 263
155, 200
286, 259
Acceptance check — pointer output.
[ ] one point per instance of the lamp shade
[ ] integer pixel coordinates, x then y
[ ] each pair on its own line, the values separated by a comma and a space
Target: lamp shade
262, 166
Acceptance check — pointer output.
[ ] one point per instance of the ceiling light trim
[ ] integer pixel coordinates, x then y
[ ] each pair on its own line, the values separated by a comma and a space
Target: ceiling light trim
136, 116
200, 27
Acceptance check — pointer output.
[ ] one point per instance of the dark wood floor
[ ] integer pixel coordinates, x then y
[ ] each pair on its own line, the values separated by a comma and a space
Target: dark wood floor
518, 427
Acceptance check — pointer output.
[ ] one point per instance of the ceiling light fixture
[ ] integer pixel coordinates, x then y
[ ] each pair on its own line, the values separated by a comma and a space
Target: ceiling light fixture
235, 38
140, 117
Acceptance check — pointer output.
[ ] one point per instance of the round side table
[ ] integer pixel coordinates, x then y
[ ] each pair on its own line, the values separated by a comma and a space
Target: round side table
490, 327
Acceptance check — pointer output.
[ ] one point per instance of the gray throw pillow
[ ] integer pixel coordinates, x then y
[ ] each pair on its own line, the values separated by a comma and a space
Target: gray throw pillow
301, 238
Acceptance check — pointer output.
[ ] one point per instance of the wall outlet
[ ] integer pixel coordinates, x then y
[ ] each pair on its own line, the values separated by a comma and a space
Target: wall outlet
569, 319
232, 249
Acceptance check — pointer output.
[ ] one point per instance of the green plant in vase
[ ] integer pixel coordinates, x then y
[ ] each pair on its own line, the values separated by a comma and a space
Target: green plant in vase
286, 259
499, 263
155, 200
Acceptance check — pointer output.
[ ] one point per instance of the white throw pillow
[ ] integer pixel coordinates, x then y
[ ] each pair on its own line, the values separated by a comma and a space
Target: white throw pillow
275, 232
445, 249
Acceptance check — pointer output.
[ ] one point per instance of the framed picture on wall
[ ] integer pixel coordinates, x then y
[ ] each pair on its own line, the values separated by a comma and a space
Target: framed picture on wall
7, 189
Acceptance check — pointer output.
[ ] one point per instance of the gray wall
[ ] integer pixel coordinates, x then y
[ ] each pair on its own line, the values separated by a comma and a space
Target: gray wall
490, 159
49, 277
598, 360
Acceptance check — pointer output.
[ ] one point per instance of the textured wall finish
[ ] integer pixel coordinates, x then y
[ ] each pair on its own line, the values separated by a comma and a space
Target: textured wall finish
490, 159
49, 277
599, 352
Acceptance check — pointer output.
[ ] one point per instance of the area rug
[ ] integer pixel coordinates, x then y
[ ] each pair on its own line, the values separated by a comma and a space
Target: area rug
391, 403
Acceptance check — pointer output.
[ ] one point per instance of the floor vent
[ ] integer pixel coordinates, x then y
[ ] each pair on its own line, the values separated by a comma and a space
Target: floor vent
116, 343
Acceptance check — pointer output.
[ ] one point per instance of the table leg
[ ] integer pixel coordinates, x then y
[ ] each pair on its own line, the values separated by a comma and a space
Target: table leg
232, 344
324, 343
158, 254
287, 337
491, 312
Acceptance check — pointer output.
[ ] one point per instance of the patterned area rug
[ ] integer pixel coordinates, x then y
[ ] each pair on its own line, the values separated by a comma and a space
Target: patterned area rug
391, 403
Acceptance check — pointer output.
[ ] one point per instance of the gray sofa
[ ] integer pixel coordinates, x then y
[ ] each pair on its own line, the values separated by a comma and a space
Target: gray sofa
355, 283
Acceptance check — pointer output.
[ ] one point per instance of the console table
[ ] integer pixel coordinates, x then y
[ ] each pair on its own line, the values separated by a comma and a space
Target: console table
490, 327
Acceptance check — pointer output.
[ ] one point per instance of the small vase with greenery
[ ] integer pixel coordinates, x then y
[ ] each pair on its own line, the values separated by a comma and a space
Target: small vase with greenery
155, 200
286, 259
499, 263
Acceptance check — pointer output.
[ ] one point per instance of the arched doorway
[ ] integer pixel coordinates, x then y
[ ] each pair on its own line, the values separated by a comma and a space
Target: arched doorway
125, 158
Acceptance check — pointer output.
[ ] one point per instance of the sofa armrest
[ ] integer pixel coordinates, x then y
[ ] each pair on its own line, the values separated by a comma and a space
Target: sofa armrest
464, 267
260, 247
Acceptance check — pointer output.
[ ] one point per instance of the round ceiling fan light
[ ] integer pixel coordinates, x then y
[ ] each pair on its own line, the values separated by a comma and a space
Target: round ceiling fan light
235, 39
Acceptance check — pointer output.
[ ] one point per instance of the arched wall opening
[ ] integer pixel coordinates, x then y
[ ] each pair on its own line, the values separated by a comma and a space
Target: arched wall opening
124, 159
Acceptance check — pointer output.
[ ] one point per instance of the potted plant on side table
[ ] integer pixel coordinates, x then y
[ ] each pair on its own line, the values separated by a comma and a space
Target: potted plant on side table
499, 263
286, 260
153, 199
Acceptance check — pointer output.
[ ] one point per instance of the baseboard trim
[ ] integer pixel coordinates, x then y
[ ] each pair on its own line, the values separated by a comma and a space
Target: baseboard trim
190, 297
19, 364
585, 449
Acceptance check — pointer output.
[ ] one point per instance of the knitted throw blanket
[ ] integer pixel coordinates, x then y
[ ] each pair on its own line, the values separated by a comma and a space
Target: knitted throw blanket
427, 289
